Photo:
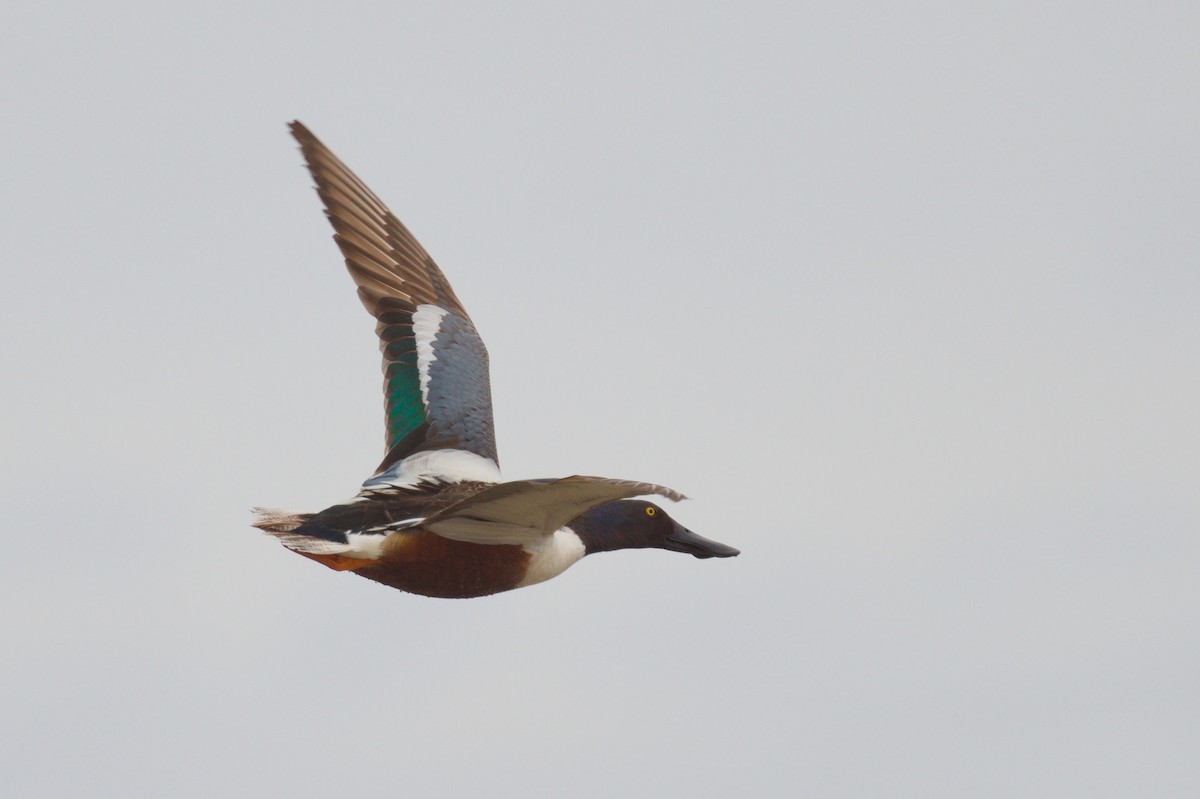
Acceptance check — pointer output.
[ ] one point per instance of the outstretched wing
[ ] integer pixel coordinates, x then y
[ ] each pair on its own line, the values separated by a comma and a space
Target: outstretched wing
523, 511
436, 391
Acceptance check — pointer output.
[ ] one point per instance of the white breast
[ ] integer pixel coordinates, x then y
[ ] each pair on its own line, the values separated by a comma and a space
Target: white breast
552, 556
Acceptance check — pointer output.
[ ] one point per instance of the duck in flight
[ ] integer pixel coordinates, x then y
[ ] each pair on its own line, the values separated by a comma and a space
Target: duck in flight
435, 519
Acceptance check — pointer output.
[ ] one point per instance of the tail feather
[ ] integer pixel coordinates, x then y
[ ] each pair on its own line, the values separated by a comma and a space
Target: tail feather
274, 521
282, 523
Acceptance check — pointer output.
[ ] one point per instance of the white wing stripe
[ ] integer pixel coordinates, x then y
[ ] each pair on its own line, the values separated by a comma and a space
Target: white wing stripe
427, 320
438, 466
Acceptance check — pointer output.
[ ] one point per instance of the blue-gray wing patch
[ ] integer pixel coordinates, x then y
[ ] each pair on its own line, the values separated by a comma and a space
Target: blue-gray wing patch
458, 393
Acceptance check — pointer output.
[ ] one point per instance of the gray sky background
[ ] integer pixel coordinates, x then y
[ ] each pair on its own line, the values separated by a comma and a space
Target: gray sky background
904, 296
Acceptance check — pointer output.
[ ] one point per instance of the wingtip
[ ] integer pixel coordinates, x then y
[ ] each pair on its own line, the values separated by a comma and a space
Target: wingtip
300, 132
646, 488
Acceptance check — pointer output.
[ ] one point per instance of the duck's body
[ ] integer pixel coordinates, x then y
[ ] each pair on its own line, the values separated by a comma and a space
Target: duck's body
435, 518
391, 546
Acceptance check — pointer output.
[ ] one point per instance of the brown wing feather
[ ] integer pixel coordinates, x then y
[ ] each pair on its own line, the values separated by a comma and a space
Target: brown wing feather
383, 257
523, 511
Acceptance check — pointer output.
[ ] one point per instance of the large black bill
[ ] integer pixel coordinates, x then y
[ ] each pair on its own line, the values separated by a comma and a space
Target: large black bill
684, 540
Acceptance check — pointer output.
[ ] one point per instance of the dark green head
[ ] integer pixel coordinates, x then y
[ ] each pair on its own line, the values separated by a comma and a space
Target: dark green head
636, 524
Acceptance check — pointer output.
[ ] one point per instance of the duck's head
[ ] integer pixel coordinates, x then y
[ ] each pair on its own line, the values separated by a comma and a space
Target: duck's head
636, 524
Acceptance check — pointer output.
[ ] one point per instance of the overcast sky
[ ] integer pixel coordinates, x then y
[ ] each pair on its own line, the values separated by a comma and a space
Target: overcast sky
905, 296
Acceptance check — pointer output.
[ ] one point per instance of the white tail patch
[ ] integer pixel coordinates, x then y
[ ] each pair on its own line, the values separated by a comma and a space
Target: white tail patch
281, 523
312, 544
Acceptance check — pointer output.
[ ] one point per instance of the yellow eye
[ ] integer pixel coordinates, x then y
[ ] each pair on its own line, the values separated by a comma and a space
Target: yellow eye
649, 511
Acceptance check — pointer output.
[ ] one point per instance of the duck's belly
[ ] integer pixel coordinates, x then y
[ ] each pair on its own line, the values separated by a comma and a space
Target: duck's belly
421, 562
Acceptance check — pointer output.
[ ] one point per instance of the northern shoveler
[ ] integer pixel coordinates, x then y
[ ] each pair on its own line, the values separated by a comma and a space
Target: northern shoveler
435, 519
